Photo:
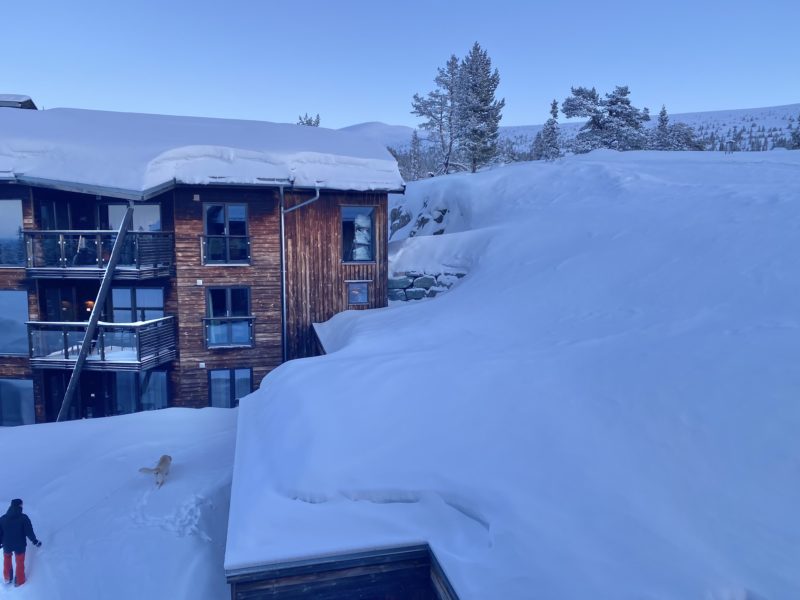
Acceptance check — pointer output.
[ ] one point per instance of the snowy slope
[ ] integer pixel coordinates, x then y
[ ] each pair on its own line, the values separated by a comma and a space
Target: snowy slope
605, 407
106, 531
712, 126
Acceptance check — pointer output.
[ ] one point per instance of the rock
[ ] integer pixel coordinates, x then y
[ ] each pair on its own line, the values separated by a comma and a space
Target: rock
438, 232
399, 283
431, 293
415, 293
414, 274
446, 279
397, 295
438, 215
426, 281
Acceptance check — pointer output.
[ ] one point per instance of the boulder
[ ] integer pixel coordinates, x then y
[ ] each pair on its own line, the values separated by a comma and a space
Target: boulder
415, 293
426, 281
399, 283
397, 294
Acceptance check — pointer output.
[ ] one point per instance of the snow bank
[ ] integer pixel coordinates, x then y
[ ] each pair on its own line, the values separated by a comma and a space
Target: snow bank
106, 531
605, 407
137, 152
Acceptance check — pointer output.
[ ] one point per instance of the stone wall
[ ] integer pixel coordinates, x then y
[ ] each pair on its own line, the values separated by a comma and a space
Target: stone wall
415, 285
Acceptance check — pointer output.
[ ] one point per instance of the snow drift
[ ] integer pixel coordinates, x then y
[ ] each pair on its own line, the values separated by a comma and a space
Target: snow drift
605, 407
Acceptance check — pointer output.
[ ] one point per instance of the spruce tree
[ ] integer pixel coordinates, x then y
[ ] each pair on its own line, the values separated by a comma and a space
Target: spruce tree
415, 156
550, 144
479, 112
306, 119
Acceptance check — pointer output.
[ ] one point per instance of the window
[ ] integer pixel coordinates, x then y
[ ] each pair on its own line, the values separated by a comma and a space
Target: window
16, 402
225, 239
228, 319
146, 217
134, 392
227, 386
13, 316
12, 244
137, 304
357, 239
357, 293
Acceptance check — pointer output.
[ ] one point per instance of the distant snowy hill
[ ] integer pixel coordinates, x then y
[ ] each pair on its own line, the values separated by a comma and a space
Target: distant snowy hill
750, 126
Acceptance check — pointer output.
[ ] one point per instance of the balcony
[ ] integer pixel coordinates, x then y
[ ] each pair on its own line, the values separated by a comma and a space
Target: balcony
115, 347
84, 254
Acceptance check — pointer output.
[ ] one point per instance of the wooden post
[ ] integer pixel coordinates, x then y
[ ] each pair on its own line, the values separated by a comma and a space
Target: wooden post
97, 309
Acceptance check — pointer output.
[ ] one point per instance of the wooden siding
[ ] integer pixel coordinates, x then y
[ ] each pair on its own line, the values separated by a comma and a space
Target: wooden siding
316, 275
262, 276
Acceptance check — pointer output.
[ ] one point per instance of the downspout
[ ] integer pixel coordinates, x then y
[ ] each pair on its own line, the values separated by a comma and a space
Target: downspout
284, 211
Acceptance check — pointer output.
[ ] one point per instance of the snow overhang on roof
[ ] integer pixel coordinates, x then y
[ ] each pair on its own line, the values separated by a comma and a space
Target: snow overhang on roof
134, 155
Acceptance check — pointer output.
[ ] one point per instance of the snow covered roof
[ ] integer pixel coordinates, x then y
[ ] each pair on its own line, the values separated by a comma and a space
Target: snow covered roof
136, 155
16, 101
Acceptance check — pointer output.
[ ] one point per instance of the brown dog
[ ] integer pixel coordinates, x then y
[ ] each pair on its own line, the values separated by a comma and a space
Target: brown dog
161, 470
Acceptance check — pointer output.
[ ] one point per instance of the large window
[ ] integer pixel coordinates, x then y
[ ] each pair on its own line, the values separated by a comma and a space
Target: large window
130, 305
227, 386
13, 316
146, 217
228, 319
16, 402
134, 392
358, 243
226, 240
12, 244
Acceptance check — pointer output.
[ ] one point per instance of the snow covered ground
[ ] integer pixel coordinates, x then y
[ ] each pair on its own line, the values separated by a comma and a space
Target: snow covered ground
106, 531
605, 407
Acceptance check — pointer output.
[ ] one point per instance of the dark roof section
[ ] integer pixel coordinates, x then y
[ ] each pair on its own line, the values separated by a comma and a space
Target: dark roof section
16, 101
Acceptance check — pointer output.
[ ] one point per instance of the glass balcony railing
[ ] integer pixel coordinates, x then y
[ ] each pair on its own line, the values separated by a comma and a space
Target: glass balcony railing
224, 332
92, 249
136, 346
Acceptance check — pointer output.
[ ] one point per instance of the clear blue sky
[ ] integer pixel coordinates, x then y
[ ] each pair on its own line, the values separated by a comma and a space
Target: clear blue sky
355, 61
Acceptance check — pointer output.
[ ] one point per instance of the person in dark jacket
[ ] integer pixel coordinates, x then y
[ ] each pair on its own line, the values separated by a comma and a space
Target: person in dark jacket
15, 526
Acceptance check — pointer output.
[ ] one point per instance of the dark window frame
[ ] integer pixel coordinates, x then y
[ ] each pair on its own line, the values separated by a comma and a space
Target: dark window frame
22, 261
26, 351
233, 401
226, 236
373, 247
349, 282
136, 308
228, 318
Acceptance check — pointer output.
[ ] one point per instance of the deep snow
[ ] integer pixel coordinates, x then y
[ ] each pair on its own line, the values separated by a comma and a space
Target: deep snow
605, 407
106, 531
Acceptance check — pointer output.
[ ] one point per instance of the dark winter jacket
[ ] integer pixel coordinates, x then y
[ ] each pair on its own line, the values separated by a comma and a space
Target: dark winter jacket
15, 526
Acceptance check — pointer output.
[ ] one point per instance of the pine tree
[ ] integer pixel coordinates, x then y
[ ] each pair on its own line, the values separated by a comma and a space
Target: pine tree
622, 125
550, 143
537, 149
415, 156
306, 119
479, 112
660, 136
585, 103
794, 143
439, 108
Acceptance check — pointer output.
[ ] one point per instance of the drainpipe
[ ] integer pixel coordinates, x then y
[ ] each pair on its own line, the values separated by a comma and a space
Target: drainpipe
285, 211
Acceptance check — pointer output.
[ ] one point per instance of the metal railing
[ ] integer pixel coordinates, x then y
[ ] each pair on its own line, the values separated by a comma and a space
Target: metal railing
222, 332
226, 249
136, 346
73, 249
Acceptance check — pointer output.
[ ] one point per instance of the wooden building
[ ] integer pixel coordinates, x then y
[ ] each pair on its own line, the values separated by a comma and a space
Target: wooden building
241, 235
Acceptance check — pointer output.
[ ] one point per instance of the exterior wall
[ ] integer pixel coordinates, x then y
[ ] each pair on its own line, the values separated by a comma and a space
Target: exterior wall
316, 274
262, 276
316, 279
12, 278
